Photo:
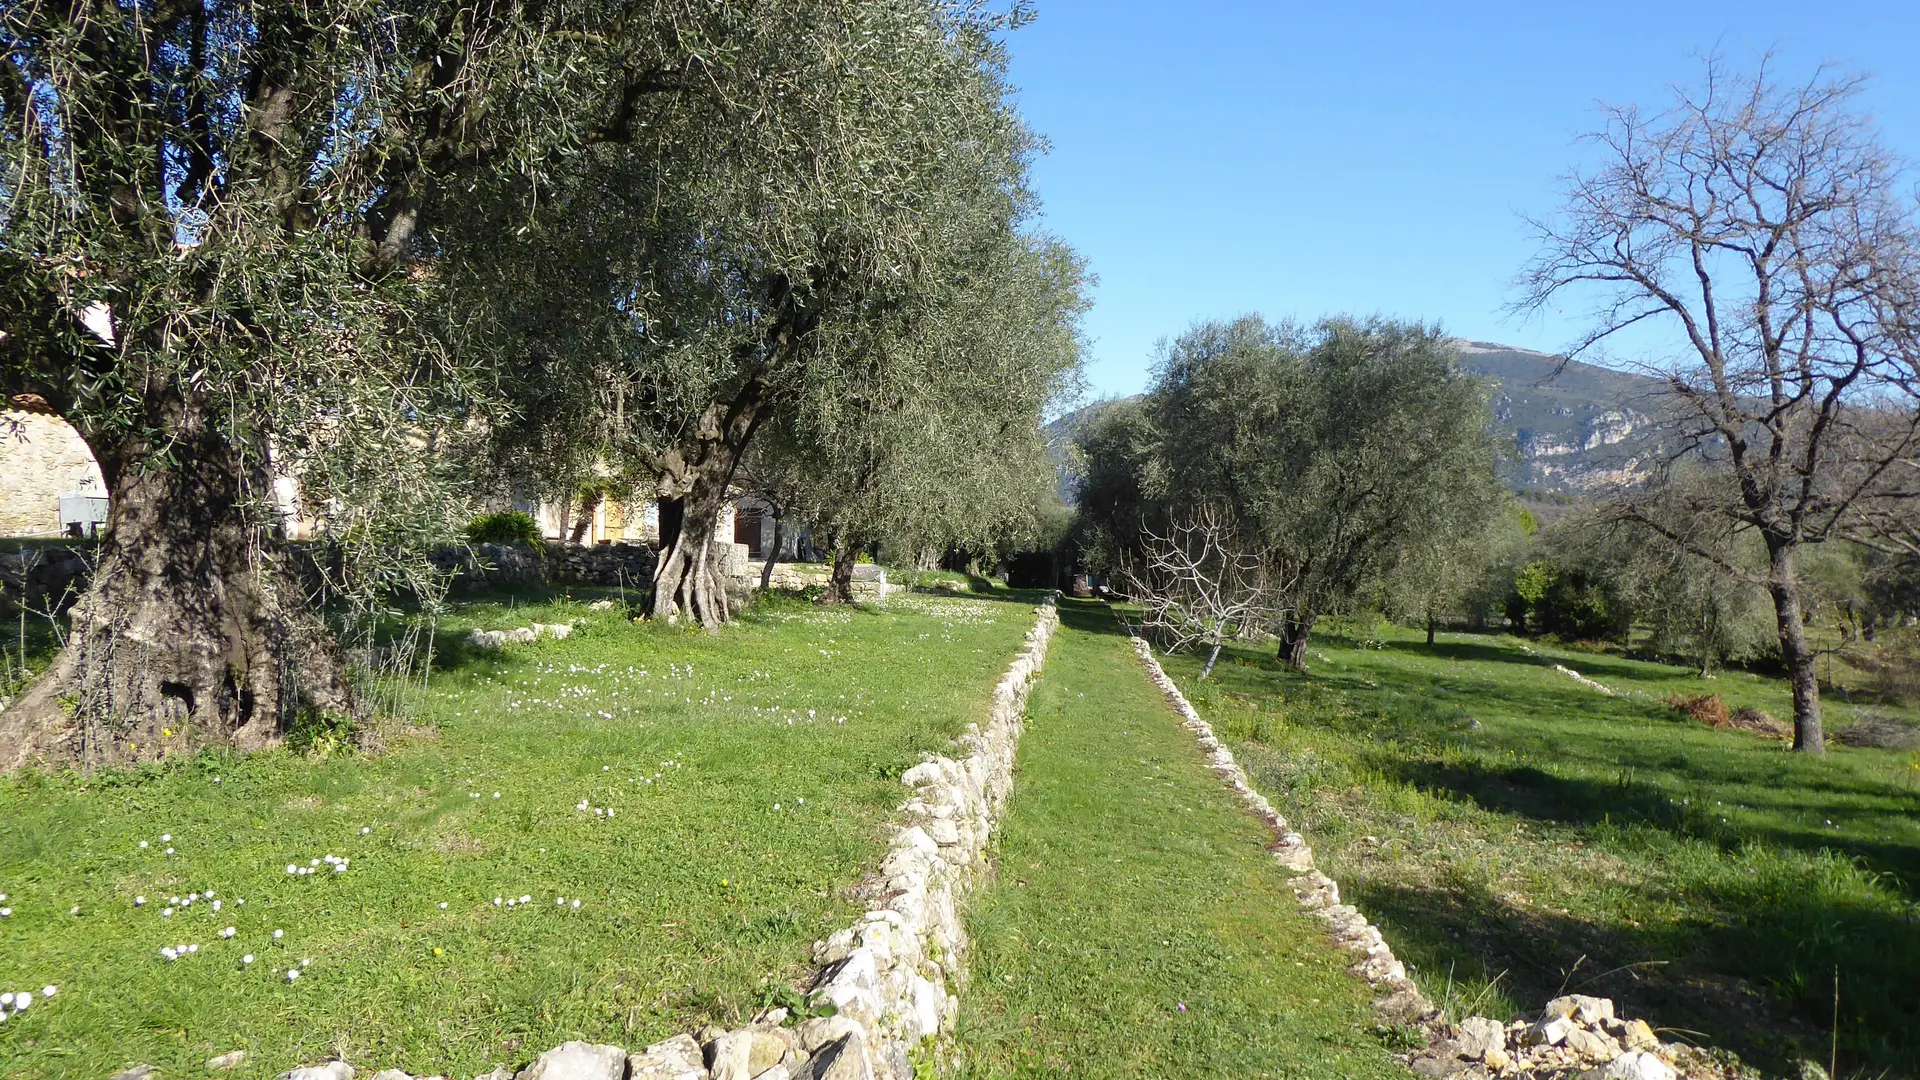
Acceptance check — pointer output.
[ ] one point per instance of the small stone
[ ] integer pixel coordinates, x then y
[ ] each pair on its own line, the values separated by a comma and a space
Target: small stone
1583, 1010
1592, 1045
138, 1072
1478, 1035
578, 1061
1638, 1065
332, 1070
821, 1030
1551, 1032
391, 1074
231, 1060
1638, 1036
944, 832
1497, 1059
678, 1058
844, 1058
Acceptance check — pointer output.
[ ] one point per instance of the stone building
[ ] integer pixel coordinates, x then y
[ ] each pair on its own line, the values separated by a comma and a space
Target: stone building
42, 460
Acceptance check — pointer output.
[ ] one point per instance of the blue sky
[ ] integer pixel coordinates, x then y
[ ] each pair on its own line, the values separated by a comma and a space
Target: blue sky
1298, 159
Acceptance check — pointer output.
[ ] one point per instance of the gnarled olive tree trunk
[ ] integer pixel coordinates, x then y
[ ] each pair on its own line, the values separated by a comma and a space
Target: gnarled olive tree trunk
840, 583
1783, 585
193, 632
693, 491
1296, 629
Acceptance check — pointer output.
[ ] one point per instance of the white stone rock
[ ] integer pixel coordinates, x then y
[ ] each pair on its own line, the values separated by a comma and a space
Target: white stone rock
678, 1058
391, 1074
578, 1061
1479, 1035
332, 1070
1636, 1065
1549, 1032
231, 1060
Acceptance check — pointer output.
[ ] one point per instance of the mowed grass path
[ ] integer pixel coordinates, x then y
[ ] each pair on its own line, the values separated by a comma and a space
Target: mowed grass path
747, 775
1137, 927
1514, 832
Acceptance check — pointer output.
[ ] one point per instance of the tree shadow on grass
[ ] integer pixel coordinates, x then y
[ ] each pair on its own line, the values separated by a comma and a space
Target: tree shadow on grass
1755, 978
1585, 801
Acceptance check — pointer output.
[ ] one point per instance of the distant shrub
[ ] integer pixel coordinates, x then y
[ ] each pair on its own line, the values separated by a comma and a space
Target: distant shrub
503, 527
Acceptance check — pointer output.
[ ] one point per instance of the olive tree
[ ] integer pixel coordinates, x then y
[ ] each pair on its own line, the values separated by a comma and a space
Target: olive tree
1344, 445
1765, 228
368, 244
935, 440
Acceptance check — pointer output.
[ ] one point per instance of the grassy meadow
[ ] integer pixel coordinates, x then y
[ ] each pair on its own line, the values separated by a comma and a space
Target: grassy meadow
684, 814
1517, 834
1138, 927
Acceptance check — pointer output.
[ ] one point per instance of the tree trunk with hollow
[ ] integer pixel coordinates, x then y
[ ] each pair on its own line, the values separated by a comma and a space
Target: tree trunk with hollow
1784, 586
194, 632
693, 491
1295, 631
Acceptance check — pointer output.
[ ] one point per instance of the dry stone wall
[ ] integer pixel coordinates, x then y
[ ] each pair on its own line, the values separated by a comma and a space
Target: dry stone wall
1575, 1037
894, 976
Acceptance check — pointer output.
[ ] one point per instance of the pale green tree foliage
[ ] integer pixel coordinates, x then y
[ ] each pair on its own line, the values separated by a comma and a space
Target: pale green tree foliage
358, 242
934, 438
752, 258
1340, 447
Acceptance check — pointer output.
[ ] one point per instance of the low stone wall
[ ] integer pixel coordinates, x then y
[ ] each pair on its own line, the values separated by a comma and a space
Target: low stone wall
1574, 1037
893, 977
42, 578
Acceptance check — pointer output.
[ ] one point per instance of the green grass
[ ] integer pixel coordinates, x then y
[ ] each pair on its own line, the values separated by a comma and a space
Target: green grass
1138, 928
712, 876
1515, 833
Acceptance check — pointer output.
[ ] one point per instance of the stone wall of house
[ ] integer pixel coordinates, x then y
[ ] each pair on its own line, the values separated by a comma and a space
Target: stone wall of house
41, 458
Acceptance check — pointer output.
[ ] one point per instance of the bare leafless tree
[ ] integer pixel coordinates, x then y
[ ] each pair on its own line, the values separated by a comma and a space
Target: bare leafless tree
1198, 585
1768, 229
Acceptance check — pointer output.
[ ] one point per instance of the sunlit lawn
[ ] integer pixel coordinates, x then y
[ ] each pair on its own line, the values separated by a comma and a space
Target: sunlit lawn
1515, 832
734, 786
1138, 927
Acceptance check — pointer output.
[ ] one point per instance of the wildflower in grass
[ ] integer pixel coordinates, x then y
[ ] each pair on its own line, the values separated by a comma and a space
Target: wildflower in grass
143, 845
278, 934
216, 905
292, 974
228, 932
169, 851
